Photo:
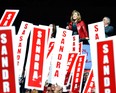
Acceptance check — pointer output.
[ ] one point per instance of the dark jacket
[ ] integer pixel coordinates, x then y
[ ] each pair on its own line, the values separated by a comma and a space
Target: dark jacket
109, 31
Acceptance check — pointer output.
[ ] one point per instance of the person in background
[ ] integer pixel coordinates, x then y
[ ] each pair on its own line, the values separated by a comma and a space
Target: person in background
78, 26
109, 30
34, 91
53, 35
85, 77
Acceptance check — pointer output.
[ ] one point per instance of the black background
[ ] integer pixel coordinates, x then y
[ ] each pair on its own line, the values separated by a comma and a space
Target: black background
54, 11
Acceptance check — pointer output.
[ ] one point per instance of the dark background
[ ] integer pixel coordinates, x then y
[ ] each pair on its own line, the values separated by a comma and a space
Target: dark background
54, 11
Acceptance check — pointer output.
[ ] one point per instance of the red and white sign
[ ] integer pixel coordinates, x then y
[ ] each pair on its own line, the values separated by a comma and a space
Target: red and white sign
21, 46
90, 83
78, 74
8, 17
8, 75
105, 64
36, 58
60, 55
47, 64
96, 31
70, 65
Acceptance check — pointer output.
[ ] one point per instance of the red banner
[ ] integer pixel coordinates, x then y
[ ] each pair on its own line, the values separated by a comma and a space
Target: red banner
8, 17
106, 67
90, 83
70, 64
78, 74
7, 66
36, 58
59, 56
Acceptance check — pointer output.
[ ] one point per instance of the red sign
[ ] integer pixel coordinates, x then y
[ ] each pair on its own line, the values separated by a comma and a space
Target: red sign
106, 67
90, 84
78, 73
8, 17
70, 63
36, 58
7, 71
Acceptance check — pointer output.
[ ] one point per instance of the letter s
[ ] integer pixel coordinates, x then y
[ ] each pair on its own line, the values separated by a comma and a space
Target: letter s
96, 28
3, 37
26, 26
105, 48
64, 34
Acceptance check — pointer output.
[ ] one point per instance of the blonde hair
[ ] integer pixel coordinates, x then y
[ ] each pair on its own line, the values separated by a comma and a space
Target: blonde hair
78, 13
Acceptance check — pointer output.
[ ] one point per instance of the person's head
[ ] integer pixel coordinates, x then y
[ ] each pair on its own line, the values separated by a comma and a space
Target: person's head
53, 26
85, 76
75, 16
53, 87
106, 20
49, 89
34, 91
58, 89
27, 91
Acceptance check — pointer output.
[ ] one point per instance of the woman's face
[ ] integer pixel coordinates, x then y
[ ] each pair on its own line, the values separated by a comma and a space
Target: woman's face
75, 16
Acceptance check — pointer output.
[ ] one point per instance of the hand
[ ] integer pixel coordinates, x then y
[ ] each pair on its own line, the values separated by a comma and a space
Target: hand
67, 27
58, 89
86, 38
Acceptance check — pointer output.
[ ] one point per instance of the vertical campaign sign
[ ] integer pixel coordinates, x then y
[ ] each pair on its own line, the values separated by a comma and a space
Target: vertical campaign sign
47, 64
75, 43
70, 62
60, 55
21, 45
96, 32
49, 46
8, 17
78, 74
105, 64
8, 75
69, 71
36, 58
90, 83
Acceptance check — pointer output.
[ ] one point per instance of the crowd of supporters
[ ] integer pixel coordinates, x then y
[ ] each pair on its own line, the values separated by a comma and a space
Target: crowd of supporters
79, 28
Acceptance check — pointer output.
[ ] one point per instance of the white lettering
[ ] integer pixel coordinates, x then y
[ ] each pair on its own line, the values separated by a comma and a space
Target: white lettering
6, 87
105, 48
36, 66
35, 75
3, 38
107, 91
5, 74
4, 61
4, 50
106, 70
37, 57
106, 81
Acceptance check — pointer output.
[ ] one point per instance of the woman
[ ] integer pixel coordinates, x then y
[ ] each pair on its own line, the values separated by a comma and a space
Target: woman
77, 25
